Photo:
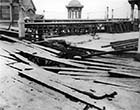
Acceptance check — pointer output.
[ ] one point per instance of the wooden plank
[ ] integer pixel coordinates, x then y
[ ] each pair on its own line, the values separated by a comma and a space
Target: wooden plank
121, 73
108, 63
82, 74
72, 69
87, 49
112, 61
94, 63
108, 52
123, 41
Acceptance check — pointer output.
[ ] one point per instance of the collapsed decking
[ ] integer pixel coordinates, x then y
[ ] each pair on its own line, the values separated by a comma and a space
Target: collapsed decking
72, 84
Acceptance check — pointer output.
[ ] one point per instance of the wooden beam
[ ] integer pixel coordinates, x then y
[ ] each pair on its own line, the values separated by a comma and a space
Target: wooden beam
72, 69
122, 73
84, 74
108, 52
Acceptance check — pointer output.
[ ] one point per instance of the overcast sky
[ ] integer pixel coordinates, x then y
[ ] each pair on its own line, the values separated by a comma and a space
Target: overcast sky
92, 8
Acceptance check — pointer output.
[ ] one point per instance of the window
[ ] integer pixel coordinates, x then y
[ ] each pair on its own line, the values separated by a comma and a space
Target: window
4, 1
4, 12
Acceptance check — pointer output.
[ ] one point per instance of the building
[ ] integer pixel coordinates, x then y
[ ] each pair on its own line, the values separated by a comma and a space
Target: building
9, 11
74, 9
133, 3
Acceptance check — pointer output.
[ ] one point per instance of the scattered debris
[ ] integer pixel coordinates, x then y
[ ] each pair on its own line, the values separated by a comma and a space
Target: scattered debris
42, 64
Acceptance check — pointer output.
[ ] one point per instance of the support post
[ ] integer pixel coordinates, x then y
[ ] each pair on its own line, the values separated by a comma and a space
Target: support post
139, 40
139, 11
139, 27
21, 23
112, 14
107, 16
132, 12
68, 14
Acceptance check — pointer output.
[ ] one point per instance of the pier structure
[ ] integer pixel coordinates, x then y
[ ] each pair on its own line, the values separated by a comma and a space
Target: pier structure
77, 27
74, 9
74, 25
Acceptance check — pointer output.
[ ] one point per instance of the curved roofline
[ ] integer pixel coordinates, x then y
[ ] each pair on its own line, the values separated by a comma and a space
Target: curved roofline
74, 3
74, 6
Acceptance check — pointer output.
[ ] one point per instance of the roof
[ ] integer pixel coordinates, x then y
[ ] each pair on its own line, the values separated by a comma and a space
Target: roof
74, 3
133, 1
28, 4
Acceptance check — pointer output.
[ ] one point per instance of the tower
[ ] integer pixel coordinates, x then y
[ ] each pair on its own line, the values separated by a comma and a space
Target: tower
74, 9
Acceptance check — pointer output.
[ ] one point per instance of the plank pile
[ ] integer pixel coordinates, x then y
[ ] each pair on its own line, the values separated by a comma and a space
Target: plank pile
130, 44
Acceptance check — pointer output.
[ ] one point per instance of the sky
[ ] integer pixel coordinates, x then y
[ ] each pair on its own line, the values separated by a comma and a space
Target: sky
93, 9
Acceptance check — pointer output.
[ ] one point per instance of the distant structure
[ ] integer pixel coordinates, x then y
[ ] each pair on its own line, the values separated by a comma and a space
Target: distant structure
74, 9
133, 3
9, 11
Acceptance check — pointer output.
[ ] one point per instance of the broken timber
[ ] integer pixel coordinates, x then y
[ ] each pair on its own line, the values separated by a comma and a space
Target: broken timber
57, 69
124, 44
41, 53
46, 78
66, 90
122, 73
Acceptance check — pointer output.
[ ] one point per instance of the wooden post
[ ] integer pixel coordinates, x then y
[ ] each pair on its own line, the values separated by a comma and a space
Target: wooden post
139, 11
139, 27
139, 40
112, 14
132, 12
107, 16
21, 23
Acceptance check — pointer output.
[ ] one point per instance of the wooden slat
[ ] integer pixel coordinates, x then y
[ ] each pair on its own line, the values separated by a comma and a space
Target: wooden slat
82, 74
73, 69
111, 61
94, 63
109, 52
121, 73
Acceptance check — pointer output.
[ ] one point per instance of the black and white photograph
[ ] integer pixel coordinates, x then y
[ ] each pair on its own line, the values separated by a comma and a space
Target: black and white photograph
69, 54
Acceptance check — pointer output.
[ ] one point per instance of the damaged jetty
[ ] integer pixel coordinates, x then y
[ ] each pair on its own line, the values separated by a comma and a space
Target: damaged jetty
54, 74
42, 68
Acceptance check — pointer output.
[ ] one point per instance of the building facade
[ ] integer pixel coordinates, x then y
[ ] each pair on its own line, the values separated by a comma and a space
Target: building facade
74, 9
9, 11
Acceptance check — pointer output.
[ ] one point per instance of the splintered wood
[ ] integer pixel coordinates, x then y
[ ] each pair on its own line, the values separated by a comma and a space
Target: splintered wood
98, 83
